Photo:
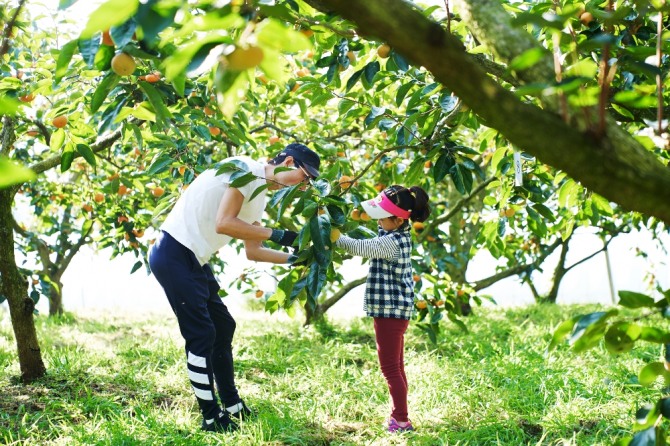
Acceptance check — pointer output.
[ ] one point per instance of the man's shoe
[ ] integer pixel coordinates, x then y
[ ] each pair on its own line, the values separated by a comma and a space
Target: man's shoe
240, 411
221, 423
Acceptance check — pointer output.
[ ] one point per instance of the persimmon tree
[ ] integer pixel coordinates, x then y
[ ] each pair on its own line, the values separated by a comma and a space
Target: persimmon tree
385, 92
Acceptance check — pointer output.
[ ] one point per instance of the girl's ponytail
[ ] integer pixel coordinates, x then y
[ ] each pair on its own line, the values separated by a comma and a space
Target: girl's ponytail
421, 208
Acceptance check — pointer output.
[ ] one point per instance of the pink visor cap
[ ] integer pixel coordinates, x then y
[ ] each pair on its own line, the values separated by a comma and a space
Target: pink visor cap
382, 207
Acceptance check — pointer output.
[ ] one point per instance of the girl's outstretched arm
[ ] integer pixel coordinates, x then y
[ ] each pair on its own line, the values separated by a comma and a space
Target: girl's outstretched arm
384, 247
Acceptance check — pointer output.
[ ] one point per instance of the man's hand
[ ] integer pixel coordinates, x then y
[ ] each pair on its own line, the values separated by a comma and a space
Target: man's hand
283, 237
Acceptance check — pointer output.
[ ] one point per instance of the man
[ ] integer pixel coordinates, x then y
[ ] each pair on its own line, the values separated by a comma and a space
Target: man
205, 218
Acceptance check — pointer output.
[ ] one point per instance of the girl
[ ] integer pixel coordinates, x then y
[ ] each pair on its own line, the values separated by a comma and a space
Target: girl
389, 292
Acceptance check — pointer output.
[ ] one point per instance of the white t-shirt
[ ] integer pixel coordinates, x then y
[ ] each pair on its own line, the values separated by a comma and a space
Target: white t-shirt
192, 222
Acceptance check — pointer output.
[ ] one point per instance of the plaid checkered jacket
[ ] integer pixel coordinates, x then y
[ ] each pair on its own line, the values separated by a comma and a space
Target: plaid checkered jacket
389, 291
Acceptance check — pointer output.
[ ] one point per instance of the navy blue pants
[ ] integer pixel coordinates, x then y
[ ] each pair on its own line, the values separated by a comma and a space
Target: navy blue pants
204, 322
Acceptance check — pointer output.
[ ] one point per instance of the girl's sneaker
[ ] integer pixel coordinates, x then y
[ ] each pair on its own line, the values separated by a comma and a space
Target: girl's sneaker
395, 427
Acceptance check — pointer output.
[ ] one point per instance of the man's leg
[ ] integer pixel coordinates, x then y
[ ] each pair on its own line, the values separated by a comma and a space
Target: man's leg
186, 285
222, 354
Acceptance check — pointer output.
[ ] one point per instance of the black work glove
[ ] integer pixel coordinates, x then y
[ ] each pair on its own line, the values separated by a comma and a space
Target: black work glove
283, 237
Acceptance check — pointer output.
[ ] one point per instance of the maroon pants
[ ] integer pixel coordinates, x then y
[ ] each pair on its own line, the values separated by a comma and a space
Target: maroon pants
390, 334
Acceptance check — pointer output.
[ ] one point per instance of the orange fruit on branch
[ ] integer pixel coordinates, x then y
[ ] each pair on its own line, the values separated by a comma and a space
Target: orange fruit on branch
107, 38
123, 64
59, 121
244, 58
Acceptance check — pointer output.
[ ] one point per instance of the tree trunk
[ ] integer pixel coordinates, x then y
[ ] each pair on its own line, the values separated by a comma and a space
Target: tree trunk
15, 289
56, 299
559, 273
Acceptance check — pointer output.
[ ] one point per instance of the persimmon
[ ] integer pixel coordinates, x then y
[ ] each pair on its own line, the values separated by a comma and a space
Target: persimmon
259, 293
418, 226
365, 216
421, 304
383, 51
107, 38
152, 78
509, 212
355, 215
98, 197
27, 98
273, 139
123, 64
208, 111
244, 58
214, 131
123, 189
352, 57
416, 278
345, 181
307, 32
334, 235
59, 121
302, 72
586, 18
181, 170
157, 191
87, 207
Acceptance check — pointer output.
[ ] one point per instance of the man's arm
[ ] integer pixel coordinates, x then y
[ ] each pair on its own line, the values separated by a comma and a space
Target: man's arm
252, 235
259, 253
227, 222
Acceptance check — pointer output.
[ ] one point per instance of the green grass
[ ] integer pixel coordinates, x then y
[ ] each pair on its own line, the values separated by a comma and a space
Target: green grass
118, 381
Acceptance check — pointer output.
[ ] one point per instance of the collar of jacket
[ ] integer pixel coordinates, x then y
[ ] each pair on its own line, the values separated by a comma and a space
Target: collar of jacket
404, 228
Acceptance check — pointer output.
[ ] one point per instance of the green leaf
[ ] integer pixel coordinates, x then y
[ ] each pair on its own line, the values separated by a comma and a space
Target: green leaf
57, 140
631, 299
102, 91
136, 266
650, 372
589, 329
9, 105
370, 70
11, 173
528, 58
86, 152
274, 34
110, 13
239, 179
320, 231
544, 211
231, 87
457, 178
159, 164
568, 194
621, 337
64, 57
67, 157
103, 57
562, 331
258, 190
646, 437
156, 101
656, 335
